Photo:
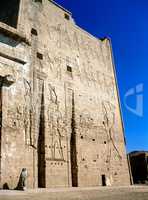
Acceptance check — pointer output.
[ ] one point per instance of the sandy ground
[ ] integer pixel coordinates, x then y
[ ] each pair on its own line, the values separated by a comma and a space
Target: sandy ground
97, 193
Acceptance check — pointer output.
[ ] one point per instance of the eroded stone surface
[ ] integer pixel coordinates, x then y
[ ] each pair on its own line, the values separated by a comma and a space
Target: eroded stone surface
60, 117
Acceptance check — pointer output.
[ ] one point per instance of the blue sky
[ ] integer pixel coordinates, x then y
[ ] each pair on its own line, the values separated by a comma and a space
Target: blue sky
126, 23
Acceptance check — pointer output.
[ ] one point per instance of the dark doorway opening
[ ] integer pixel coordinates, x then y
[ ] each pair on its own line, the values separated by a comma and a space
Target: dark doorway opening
9, 10
103, 180
41, 148
73, 148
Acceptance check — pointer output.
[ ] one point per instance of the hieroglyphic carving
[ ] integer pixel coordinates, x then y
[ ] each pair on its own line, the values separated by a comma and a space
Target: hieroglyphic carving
87, 73
55, 125
108, 110
86, 123
106, 84
89, 48
15, 117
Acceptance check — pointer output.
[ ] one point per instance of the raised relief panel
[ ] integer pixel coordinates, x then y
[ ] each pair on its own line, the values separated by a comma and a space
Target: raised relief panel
108, 110
55, 64
27, 112
55, 122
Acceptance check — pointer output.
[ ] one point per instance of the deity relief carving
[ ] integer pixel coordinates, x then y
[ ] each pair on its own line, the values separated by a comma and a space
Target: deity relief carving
55, 64
108, 110
27, 112
63, 38
66, 38
60, 36
19, 116
54, 34
55, 126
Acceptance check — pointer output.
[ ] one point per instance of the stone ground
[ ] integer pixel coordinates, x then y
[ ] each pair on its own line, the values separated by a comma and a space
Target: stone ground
97, 193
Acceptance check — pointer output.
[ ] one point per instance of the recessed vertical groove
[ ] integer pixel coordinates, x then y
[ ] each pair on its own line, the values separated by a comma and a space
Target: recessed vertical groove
73, 147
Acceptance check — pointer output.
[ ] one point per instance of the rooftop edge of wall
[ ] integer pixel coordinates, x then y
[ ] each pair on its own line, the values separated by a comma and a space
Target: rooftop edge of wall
78, 27
92, 36
59, 6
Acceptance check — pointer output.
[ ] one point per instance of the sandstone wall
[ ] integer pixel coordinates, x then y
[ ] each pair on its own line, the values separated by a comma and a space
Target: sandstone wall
61, 117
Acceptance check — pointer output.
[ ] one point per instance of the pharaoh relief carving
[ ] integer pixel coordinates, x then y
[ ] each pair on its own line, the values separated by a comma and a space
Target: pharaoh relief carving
63, 38
66, 38
14, 110
55, 124
60, 36
108, 110
18, 114
54, 34
55, 63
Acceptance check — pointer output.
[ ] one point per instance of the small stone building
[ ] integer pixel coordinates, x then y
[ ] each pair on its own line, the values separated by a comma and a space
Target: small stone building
60, 113
139, 166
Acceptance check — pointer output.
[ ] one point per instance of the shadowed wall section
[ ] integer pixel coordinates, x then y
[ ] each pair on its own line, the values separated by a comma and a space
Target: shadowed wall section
9, 11
41, 144
73, 147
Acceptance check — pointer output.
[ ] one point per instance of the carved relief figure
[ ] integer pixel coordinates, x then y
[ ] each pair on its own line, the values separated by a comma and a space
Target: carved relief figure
54, 33
18, 116
76, 42
27, 112
108, 122
55, 64
60, 36
54, 122
66, 38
